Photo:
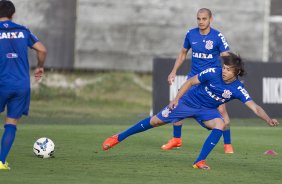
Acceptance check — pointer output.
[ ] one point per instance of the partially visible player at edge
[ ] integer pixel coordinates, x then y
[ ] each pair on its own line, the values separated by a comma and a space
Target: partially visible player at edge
216, 86
207, 44
14, 74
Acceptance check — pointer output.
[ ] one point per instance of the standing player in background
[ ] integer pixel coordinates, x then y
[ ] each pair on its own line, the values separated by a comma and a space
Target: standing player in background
14, 74
207, 46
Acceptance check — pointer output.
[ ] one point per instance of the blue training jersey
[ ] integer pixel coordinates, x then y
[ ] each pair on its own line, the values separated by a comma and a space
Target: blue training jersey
213, 91
14, 66
206, 49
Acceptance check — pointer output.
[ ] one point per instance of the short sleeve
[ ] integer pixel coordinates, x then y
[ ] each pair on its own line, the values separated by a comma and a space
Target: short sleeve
186, 43
223, 45
207, 74
32, 39
243, 94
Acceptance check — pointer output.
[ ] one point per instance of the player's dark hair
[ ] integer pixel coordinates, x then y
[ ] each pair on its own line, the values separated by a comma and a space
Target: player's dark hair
7, 9
206, 10
234, 61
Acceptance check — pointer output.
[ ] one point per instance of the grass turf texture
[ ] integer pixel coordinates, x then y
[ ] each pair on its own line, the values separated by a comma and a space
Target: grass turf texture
75, 121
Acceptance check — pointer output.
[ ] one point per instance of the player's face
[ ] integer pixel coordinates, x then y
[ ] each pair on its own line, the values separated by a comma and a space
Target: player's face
228, 74
203, 20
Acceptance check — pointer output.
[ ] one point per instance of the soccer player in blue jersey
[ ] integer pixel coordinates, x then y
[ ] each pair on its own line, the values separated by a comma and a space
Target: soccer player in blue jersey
14, 74
207, 44
215, 86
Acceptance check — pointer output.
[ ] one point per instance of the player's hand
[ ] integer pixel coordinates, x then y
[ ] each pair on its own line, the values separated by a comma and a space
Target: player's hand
173, 104
38, 73
273, 122
171, 78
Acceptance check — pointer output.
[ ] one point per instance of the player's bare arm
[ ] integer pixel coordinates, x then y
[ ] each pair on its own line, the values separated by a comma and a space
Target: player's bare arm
261, 113
41, 52
180, 59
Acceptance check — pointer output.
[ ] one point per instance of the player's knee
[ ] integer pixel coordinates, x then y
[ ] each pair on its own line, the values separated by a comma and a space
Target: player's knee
227, 126
155, 122
11, 121
219, 124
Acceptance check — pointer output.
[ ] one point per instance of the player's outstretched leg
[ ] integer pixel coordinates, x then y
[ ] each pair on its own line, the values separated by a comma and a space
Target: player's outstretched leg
115, 139
176, 141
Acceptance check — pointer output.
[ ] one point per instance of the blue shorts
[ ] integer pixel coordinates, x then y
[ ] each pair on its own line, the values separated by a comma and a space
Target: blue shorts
183, 111
17, 102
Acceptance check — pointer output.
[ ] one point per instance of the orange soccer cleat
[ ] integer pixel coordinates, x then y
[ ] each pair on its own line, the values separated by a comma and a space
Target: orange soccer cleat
201, 165
110, 142
228, 149
172, 143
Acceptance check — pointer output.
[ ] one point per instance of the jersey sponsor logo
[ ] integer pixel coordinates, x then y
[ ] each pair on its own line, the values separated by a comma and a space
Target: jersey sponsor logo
202, 55
209, 70
244, 92
12, 55
213, 95
226, 94
209, 45
166, 112
11, 35
223, 40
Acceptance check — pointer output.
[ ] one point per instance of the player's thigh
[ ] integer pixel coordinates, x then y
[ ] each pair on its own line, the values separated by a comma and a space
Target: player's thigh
179, 113
18, 104
179, 123
4, 96
206, 115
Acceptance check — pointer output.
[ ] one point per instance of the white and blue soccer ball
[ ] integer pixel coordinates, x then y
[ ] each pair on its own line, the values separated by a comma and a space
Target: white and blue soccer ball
44, 148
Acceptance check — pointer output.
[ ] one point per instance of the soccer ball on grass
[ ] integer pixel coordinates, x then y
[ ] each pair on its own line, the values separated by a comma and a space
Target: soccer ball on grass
44, 148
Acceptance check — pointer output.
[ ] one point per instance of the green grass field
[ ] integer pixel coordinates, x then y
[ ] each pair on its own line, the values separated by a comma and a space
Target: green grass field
79, 120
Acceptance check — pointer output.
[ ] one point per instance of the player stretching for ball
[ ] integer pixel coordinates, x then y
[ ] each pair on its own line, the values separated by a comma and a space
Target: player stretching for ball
207, 44
14, 74
215, 86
